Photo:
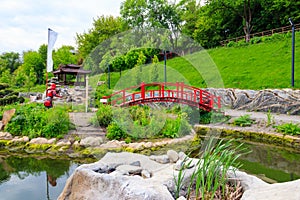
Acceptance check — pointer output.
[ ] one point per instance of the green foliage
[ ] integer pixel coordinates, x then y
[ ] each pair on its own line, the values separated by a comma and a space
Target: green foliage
154, 71
64, 55
255, 40
104, 115
212, 117
57, 123
9, 61
8, 96
4, 86
103, 28
244, 120
114, 132
270, 118
210, 173
101, 91
140, 122
289, 128
34, 120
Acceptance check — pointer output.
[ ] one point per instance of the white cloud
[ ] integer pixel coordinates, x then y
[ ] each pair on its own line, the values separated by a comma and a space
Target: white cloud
24, 23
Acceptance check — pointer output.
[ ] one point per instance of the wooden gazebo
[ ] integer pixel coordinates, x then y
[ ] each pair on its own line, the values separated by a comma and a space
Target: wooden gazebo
71, 74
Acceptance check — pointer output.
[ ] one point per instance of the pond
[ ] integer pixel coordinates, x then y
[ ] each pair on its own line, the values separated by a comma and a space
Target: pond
33, 178
45, 178
271, 163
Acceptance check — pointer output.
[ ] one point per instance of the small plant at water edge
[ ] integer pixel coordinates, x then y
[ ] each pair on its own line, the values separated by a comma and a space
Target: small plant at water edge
289, 128
243, 121
270, 118
209, 180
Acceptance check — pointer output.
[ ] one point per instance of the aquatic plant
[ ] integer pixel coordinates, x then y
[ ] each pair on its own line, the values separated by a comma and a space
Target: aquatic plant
209, 179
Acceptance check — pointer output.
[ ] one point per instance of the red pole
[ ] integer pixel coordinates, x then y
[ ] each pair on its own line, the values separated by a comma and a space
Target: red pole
201, 97
124, 99
177, 89
211, 102
143, 90
182, 84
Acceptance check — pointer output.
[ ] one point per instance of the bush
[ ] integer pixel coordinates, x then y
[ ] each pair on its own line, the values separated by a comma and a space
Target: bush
3, 86
34, 120
114, 132
243, 121
255, 40
231, 44
212, 117
101, 91
289, 128
104, 115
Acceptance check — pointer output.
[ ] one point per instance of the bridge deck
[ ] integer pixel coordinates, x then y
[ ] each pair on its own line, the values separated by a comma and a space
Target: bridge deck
165, 92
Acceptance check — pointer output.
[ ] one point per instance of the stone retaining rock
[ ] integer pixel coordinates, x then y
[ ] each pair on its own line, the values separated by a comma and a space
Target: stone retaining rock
285, 101
91, 141
5, 136
20, 139
41, 140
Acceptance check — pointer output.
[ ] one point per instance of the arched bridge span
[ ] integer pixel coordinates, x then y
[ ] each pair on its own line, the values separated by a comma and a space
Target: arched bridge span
164, 92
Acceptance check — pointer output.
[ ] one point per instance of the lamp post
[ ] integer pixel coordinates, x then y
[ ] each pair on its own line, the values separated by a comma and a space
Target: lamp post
293, 51
108, 80
165, 65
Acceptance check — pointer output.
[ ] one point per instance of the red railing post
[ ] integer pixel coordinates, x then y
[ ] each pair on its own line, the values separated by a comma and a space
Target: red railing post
143, 90
219, 102
201, 97
211, 102
124, 99
177, 89
181, 89
162, 90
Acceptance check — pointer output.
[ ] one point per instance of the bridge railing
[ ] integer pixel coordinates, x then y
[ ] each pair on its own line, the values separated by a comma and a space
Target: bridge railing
166, 92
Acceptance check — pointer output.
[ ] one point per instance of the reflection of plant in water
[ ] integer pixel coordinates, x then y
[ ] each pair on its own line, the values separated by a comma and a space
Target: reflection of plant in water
4, 175
24, 167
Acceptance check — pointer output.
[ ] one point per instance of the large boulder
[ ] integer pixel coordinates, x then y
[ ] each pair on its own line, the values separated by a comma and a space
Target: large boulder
7, 115
133, 176
106, 179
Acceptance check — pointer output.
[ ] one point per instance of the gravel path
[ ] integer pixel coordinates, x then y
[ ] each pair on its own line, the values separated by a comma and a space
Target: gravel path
279, 118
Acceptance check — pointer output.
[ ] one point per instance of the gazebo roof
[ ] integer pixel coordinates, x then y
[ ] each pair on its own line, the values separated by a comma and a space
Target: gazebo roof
71, 69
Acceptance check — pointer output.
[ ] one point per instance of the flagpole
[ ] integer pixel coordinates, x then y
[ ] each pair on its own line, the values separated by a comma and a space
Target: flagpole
52, 35
47, 62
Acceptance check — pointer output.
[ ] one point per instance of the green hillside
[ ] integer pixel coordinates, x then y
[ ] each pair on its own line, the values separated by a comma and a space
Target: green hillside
255, 66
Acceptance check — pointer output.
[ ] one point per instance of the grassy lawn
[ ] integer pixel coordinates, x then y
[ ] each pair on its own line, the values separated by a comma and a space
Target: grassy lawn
256, 66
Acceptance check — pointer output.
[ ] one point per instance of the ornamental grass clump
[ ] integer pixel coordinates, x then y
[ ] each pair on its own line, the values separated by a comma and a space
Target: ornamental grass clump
243, 121
209, 179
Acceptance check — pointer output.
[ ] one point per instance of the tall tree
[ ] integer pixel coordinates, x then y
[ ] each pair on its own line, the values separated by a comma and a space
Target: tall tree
152, 14
243, 8
64, 55
33, 62
103, 28
10, 61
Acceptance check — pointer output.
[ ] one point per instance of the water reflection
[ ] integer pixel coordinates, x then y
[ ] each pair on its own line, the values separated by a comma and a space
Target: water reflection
33, 178
272, 162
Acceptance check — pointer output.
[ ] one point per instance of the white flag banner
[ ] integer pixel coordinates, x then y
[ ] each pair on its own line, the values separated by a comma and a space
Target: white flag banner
52, 35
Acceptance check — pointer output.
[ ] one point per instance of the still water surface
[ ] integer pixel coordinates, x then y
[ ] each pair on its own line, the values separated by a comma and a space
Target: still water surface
44, 179
32, 178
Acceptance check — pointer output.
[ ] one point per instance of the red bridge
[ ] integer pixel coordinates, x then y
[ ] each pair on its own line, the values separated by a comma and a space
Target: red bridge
164, 92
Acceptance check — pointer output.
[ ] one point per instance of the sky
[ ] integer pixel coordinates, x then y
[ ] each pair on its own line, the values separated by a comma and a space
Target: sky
24, 23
